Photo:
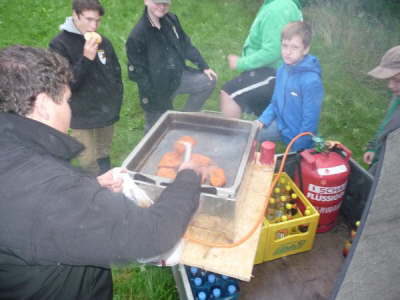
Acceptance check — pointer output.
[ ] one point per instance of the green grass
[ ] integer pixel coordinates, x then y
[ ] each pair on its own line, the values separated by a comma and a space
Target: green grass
349, 38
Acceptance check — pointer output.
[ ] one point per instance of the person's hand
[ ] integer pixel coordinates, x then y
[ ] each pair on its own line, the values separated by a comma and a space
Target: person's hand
368, 157
259, 124
108, 181
232, 61
192, 165
90, 49
210, 74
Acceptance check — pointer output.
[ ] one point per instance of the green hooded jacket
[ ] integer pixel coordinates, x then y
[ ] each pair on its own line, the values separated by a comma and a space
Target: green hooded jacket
263, 44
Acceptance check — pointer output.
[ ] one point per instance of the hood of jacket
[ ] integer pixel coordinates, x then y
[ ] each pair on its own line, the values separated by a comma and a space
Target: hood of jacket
37, 136
297, 2
69, 26
308, 64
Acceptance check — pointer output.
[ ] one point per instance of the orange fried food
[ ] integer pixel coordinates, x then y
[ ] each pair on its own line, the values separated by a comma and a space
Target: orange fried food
217, 176
201, 160
170, 160
166, 172
188, 139
179, 147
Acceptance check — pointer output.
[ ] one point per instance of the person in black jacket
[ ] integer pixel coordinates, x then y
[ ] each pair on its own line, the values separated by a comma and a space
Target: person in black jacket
97, 88
157, 49
60, 228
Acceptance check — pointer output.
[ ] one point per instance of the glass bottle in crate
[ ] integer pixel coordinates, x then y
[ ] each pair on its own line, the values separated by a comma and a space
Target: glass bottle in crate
211, 279
282, 202
281, 183
293, 198
216, 293
281, 233
271, 209
276, 193
304, 227
288, 190
232, 290
291, 210
202, 295
194, 271
197, 282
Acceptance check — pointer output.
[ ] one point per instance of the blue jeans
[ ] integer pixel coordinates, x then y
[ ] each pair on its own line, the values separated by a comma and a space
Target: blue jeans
270, 133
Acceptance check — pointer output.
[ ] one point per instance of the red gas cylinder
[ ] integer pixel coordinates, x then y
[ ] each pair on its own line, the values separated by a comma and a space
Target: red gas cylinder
323, 181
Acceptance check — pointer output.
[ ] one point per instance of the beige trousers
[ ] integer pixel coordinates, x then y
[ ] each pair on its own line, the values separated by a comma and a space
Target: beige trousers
97, 142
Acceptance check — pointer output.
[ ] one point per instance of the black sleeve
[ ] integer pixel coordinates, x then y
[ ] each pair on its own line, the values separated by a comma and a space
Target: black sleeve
136, 50
117, 70
84, 224
191, 52
80, 65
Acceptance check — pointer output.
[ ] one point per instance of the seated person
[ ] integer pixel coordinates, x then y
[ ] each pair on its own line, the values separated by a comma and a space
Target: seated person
250, 92
298, 93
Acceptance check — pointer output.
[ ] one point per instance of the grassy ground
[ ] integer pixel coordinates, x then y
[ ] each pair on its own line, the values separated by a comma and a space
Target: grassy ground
349, 41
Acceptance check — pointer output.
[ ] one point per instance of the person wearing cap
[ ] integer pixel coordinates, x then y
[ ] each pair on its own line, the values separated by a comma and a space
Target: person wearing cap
97, 88
157, 48
388, 69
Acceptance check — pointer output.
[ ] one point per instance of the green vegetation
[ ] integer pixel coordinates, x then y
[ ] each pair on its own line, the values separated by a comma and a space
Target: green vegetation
350, 38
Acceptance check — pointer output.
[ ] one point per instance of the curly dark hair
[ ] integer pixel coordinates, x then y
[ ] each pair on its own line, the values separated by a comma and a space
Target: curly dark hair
80, 6
25, 72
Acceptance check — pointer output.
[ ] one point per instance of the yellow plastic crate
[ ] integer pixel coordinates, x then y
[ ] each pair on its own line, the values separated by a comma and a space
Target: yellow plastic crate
271, 247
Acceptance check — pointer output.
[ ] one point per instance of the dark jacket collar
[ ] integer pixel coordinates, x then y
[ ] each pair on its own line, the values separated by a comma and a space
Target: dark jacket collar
38, 136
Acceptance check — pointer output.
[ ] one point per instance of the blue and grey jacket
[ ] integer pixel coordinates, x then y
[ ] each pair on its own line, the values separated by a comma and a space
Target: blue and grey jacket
296, 101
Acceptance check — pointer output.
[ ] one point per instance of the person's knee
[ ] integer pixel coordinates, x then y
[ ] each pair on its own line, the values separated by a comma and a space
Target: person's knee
228, 106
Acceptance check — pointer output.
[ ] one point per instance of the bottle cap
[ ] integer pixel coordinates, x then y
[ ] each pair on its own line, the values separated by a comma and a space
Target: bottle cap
267, 153
193, 270
216, 292
231, 289
198, 281
202, 295
211, 278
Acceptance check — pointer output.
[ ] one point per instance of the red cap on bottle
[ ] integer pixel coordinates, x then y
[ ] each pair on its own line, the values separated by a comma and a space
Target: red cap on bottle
267, 153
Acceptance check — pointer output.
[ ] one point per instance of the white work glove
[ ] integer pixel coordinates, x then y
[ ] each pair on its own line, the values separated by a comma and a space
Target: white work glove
131, 190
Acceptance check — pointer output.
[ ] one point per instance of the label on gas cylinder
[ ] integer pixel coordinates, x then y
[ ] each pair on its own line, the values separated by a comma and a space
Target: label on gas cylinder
332, 170
325, 193
329, 209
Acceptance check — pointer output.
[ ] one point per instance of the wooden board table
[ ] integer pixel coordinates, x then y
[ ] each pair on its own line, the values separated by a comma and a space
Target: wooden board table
238, 261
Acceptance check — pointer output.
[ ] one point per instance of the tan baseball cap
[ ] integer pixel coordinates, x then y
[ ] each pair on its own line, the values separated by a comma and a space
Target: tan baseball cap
162, 1
389, 65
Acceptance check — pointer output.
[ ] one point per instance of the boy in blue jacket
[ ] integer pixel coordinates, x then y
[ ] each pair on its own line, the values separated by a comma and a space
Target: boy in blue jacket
298, 93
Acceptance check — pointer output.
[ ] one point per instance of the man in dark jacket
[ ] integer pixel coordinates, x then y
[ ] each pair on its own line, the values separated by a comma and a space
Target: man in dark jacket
388, 69
157, 49
60, 229
97, 86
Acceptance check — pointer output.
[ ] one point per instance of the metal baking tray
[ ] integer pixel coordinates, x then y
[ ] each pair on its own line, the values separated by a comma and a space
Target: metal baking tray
228, 142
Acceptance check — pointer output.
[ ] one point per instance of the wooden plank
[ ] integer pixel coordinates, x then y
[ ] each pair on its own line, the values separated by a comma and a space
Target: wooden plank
236, 262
